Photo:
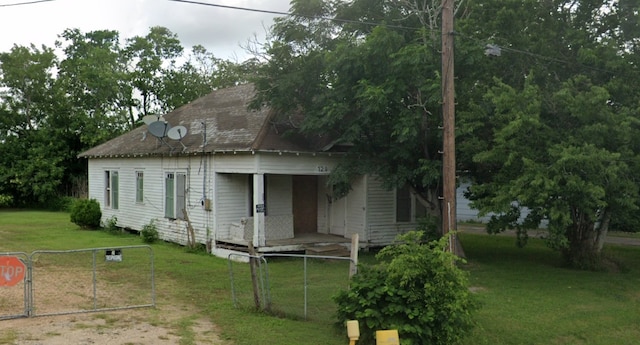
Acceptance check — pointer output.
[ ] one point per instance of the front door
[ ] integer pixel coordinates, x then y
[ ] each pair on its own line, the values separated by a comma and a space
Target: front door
305, 204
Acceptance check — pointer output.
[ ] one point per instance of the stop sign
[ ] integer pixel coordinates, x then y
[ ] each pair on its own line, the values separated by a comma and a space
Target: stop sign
12, 270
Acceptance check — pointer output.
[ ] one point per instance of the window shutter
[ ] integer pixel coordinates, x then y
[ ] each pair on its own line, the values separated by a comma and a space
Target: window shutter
169, 208
181, 195
114, 190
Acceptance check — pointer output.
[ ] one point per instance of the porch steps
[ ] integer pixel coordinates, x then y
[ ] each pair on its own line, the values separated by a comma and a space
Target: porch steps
328, 250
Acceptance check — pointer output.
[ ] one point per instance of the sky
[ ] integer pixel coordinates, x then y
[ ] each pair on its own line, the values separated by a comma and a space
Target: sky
221, 31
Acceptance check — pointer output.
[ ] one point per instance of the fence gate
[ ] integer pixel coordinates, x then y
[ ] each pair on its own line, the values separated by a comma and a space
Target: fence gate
14, 278
83, 280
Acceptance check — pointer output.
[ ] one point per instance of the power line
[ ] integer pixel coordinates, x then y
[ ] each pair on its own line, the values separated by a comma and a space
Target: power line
289, 14
25, 3
494, 49
401, 27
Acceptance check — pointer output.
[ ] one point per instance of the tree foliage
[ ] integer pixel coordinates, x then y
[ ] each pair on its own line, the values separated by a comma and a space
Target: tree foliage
546, 126
56, 105
374, 88
416, 288
553, 132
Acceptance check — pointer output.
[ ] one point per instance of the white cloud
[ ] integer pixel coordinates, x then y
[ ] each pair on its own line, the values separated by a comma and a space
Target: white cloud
220, 30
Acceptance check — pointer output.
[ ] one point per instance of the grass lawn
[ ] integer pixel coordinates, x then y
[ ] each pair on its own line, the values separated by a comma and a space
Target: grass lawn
529, 298
526, 296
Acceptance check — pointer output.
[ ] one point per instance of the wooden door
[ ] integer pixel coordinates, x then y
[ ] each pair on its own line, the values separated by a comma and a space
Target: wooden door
305, 204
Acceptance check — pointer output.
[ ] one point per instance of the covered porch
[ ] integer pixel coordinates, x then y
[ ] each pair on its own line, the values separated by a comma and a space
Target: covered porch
276, 212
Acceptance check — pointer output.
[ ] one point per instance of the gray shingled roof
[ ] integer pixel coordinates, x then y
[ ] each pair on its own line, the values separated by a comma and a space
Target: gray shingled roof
222, 114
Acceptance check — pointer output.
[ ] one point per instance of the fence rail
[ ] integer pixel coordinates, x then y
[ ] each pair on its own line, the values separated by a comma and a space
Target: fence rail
84, 280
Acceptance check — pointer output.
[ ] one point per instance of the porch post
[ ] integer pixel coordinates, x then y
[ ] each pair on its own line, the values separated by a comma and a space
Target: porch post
259, 238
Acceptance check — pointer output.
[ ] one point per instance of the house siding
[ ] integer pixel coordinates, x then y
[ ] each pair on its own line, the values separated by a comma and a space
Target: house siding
356, 209
232, 201
135, 215
323, 205
382, 227
296, 164
279, 188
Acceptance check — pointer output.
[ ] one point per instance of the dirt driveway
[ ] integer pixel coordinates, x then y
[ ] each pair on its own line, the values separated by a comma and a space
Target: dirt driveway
169, 323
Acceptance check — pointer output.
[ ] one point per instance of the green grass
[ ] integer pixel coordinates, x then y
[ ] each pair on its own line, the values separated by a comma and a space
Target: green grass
527, 296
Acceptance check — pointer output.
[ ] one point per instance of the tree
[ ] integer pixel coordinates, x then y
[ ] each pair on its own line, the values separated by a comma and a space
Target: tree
553, 131
367, 79
147, 56
29, 171
91, 73
52, 108
200, 74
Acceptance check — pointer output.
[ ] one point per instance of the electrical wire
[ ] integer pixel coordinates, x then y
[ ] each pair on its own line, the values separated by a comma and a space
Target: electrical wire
25, 3
348, 21
289, 14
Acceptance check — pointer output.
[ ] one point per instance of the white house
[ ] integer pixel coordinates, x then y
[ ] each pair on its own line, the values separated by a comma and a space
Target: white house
233, 177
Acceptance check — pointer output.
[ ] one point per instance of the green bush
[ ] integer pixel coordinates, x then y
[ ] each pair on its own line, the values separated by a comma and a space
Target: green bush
59, 203
112, 225
86, 213
6, 200
149, 233
416, 288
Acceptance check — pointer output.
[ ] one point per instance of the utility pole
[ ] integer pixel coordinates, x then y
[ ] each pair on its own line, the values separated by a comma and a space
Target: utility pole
448, 124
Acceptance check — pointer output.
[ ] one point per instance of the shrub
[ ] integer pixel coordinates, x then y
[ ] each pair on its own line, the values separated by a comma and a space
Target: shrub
58, 203
6, 200
416, 288
86, 213
112, 225
149, 233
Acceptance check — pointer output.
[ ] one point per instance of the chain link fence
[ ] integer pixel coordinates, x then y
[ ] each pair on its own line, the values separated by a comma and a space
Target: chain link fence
83, 280
290, 285
13, 296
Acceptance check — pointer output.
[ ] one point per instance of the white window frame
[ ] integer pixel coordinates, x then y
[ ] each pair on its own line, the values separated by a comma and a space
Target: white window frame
111, 189
139, 187
175, 189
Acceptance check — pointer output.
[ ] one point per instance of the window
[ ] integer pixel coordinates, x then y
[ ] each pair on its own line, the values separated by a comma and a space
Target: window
408, 207
111, 189
175, 186
139, 187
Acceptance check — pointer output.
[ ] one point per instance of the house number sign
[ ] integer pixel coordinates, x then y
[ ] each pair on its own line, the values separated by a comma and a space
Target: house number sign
260, 208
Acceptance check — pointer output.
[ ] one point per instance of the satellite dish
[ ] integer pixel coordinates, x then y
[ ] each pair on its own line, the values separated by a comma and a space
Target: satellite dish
149, 119
177, 132
159, 128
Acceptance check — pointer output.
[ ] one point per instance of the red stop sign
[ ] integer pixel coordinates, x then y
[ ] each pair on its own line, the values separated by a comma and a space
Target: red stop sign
12, 270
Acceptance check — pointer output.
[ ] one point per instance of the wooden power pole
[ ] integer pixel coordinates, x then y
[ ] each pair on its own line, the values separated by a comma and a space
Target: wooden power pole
448, 123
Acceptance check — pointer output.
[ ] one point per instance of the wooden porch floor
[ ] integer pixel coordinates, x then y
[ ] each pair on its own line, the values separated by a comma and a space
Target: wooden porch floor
300, 242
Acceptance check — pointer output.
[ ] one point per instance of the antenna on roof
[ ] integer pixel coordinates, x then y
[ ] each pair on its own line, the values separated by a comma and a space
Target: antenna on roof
159, 130
177, 133
148, 119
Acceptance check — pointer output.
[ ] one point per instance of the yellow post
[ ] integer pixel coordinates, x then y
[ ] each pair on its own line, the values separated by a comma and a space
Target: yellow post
353, 331
387, 337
